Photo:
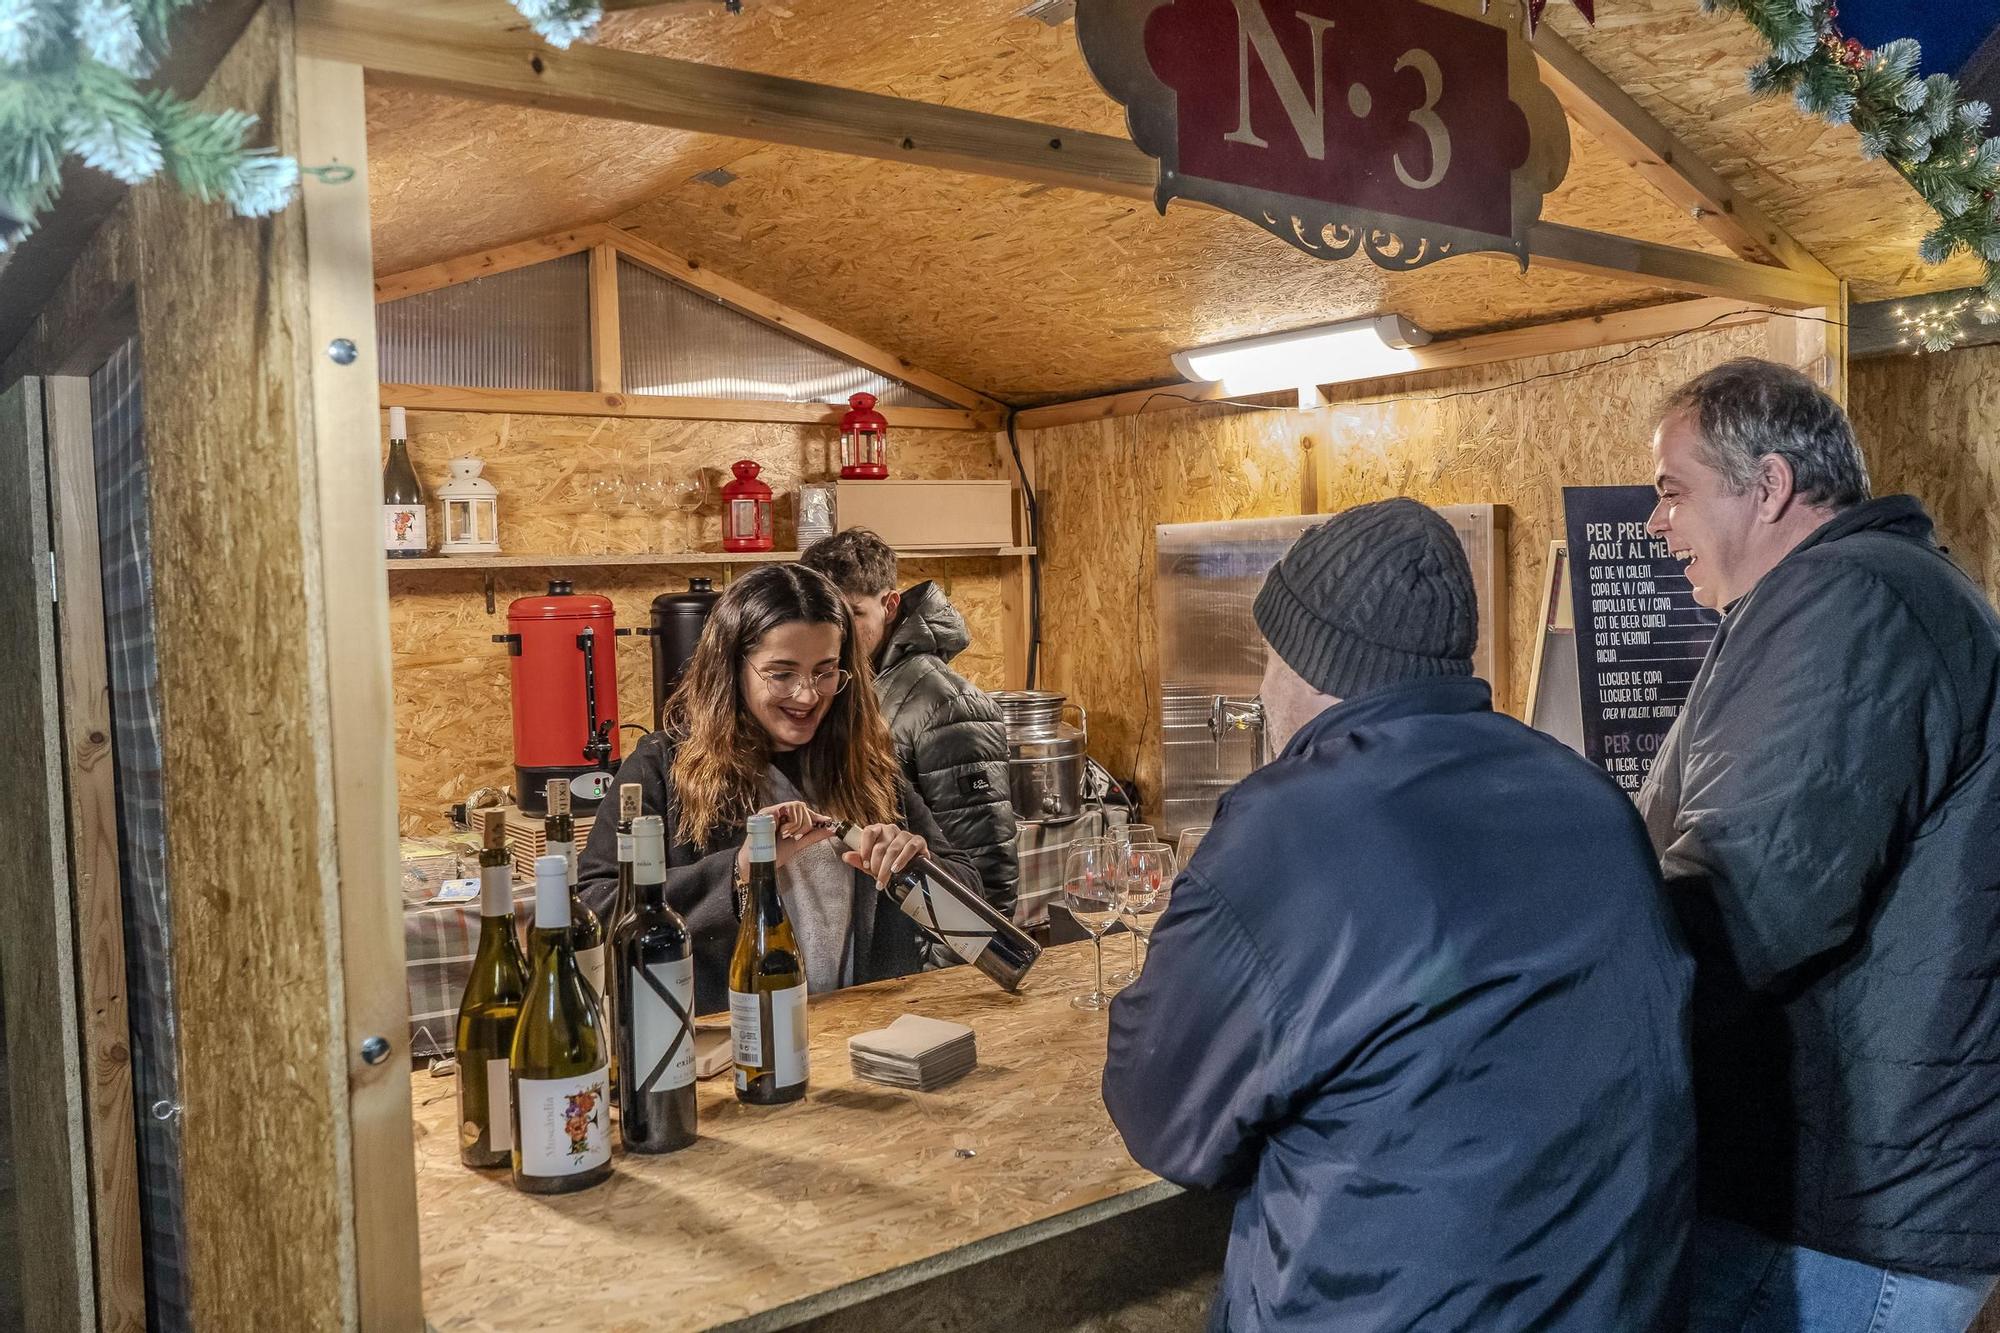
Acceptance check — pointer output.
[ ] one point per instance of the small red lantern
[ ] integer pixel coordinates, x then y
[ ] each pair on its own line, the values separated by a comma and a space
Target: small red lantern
864, 441
746, 510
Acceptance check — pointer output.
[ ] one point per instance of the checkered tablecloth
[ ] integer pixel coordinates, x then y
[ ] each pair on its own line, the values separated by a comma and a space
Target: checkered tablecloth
1040, 849
439, 940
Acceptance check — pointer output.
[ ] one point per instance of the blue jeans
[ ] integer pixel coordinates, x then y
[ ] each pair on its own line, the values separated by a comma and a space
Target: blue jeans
1745, 1282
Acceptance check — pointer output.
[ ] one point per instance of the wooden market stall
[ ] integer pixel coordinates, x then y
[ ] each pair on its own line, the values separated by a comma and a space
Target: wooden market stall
934, 192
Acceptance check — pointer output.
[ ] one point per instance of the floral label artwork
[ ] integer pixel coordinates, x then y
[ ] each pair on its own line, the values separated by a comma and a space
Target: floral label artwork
565, 1124
406, 527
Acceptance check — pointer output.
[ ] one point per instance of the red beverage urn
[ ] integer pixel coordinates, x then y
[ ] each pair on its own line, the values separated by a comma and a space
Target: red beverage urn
746, 510
565, 686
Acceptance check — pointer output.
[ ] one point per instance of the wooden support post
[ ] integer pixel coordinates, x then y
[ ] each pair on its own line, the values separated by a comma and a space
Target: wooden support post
1815, 342
607, 365
37, 955
94, 863
353, 585
1016, 578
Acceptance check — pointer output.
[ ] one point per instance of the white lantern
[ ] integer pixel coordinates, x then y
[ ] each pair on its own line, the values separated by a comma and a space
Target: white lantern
471, 510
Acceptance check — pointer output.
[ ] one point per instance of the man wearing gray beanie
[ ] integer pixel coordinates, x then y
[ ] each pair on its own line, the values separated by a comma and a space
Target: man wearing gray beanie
1417, 996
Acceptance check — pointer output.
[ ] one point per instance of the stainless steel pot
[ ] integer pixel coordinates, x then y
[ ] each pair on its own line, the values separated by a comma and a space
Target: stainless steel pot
1044, 755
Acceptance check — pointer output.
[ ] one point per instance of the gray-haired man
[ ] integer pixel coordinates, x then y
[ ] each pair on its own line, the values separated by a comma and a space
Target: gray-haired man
1827, 810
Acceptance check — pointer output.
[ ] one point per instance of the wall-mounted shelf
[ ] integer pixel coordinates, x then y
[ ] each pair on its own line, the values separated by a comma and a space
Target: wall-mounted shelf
432, 564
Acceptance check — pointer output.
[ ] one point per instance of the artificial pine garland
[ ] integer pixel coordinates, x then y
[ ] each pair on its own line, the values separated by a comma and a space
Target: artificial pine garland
69, 86
1921, 126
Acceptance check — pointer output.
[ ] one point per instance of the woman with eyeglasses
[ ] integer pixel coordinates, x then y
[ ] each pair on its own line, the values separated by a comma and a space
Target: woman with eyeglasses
775, 714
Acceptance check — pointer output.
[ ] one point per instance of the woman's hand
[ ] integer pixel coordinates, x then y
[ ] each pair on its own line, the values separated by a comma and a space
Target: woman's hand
798, 829
884, 850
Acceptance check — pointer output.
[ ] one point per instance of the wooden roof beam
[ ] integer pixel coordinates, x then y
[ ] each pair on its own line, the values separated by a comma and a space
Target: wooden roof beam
1570, 335
517, 68
1615, 119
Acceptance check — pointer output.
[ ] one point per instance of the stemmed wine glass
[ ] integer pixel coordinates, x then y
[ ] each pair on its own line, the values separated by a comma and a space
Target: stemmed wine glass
1146, 879
1189, 840
1092, 898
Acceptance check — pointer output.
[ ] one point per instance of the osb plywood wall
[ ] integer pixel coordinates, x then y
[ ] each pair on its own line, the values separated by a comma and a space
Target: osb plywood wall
454, 724
1931, 426
1512, 434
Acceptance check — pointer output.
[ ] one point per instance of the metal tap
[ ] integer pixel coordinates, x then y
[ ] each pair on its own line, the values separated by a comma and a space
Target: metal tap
1227, 714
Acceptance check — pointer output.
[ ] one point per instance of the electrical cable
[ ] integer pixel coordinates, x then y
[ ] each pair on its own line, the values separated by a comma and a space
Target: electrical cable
1035, 553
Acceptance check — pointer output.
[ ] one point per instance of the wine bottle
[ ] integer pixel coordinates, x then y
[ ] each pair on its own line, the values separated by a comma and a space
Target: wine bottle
965, 922
586, 931
629, 798
559, 1068
767, 984
488, 1010
405, 522
655, 988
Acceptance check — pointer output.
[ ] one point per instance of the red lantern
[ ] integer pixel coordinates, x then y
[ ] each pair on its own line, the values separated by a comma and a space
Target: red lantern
864, 441
746, 510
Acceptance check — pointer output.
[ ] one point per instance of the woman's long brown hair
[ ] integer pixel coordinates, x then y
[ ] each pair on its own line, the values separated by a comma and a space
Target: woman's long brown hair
721, 753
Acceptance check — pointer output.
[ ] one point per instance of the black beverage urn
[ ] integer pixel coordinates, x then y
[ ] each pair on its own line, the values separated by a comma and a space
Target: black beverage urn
678, 618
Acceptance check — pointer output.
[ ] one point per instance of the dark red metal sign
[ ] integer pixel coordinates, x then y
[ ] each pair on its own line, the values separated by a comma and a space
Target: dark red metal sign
1411, 129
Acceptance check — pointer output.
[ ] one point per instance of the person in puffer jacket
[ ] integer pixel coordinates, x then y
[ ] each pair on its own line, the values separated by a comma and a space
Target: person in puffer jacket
1827, 811
1418, 994
950, 737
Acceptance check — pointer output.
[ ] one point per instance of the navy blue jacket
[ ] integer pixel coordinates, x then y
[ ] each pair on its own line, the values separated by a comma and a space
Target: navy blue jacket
1420, 993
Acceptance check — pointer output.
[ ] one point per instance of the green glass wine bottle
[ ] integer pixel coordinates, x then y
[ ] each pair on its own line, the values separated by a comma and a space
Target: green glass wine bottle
560, 1066
489, 1009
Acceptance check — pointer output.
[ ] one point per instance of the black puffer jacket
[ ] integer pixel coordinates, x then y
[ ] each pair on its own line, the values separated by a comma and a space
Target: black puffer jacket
950, 738
1828, 813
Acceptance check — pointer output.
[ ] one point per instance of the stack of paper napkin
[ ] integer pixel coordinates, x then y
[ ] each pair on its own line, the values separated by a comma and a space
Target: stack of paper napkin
914, 1052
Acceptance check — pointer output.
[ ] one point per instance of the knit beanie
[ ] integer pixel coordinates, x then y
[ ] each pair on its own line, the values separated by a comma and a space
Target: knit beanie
1378, 594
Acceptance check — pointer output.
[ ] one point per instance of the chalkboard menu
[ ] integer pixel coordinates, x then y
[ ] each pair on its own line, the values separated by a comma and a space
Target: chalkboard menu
1640, 636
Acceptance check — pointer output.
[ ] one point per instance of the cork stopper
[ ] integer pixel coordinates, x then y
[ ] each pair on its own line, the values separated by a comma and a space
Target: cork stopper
493, 829
557, 793
630, 802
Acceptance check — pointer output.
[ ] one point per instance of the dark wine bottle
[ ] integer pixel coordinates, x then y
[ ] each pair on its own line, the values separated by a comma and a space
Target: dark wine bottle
654, 984
559, 1068
586, 931
965, 922
629, 798
406, 531
767, 984
489, 1009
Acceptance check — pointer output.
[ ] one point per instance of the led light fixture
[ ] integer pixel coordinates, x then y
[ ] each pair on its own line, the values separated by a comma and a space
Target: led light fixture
1355, 349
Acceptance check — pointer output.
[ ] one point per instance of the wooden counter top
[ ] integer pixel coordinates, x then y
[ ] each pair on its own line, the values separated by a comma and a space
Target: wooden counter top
782, 1214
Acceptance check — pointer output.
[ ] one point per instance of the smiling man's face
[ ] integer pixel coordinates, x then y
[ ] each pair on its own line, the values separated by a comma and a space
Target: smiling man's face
1706, 526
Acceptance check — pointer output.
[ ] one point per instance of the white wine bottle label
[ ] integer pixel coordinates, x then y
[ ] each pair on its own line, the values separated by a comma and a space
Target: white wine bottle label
662, 1031
746, 1029
954, 922
788, 1035
405, 528
565, 1124
499, 1107
591, 961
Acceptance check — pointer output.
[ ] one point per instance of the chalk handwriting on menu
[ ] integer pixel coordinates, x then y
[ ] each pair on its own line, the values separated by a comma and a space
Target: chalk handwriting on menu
1640, 637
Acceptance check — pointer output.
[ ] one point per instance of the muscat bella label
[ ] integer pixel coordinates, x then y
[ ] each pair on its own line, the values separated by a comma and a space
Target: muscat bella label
565, 1124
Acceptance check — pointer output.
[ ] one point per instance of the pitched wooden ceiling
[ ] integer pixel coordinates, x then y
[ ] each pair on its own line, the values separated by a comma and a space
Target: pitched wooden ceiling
1031, 293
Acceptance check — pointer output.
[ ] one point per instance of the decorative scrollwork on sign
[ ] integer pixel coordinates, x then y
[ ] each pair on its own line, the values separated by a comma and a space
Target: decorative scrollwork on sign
1343, 240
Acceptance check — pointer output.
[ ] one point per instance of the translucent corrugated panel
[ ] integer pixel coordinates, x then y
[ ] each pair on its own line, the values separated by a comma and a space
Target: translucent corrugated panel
525, 329
680, 343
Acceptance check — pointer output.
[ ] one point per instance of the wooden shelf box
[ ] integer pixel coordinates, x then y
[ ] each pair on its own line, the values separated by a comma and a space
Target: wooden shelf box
920, 515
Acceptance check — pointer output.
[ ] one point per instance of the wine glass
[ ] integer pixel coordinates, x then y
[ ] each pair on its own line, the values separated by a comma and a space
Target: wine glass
1126, 834
1146, 881
1189, 840
1093, 901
